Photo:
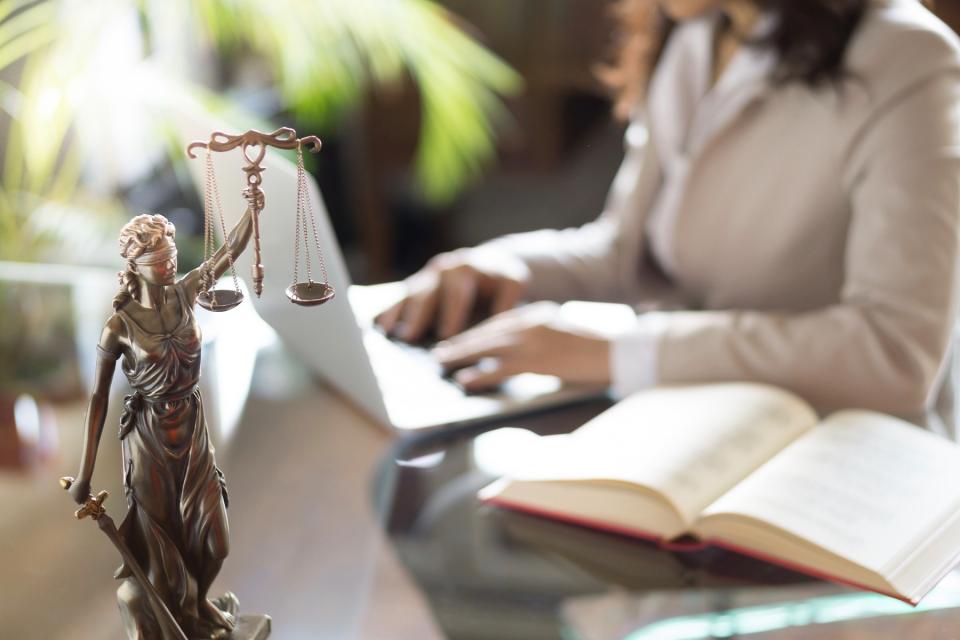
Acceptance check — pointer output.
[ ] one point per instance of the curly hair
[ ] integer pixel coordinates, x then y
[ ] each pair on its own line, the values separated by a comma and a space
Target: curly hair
810, 38
145, 232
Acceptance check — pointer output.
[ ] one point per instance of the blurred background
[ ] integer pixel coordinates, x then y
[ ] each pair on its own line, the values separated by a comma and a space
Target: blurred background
443, 123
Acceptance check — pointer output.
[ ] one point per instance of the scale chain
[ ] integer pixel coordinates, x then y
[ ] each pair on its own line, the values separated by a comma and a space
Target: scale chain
214, 196
305, 206
301, 223
296, 236
301, 188
316, 236
208, 224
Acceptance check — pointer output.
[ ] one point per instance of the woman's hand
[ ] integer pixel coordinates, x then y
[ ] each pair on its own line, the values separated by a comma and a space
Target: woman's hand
451, 289
531, 339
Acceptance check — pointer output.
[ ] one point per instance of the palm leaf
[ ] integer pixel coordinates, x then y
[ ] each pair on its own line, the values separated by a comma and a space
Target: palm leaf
327, 54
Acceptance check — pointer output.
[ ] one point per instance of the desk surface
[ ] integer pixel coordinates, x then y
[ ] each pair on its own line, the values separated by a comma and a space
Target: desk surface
340, 532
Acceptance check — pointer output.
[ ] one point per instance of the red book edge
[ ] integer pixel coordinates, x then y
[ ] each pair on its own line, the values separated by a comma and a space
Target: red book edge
713, 542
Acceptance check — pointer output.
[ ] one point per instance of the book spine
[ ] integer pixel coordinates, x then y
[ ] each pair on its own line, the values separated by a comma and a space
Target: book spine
588, 523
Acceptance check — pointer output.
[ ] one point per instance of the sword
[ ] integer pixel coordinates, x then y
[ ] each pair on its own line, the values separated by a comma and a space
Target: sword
93, 507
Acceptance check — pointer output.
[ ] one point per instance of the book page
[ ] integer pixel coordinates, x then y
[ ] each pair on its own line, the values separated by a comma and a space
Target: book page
864, 486
690, 444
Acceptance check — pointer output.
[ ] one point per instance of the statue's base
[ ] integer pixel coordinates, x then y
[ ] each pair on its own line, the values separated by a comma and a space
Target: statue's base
252, 627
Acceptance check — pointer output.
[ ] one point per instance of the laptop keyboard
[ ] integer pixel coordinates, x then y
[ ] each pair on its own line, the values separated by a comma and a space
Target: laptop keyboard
400, 366
420, 355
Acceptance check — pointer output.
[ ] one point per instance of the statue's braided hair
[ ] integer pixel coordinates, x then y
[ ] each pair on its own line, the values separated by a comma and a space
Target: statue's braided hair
146, 232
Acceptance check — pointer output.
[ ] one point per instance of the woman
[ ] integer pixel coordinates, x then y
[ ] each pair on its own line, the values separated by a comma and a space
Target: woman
176, 524
788, 204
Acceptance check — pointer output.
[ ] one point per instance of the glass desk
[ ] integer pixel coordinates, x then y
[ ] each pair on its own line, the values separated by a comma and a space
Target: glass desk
490, 573
308, 547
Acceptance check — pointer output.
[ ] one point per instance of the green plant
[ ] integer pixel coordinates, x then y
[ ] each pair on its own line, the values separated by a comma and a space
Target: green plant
78, 126
325, 55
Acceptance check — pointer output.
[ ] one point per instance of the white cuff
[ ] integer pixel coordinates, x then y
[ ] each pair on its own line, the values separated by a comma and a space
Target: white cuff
634, 355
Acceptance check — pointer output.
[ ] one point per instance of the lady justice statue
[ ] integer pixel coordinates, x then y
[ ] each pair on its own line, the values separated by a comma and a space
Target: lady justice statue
176, 524
174, 537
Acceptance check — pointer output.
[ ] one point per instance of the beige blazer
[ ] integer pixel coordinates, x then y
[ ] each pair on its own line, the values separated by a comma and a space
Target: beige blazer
817, 239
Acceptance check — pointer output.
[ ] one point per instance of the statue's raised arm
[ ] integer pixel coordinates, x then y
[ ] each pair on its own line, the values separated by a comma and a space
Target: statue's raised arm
205, 275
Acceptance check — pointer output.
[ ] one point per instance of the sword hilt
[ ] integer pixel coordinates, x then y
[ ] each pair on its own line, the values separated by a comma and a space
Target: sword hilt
93, 507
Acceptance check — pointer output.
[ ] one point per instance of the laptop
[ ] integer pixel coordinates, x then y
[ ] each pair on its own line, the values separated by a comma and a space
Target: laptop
400, 385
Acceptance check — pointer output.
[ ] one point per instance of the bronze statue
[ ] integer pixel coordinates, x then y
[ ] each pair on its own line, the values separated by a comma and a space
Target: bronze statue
176, 525
174, 537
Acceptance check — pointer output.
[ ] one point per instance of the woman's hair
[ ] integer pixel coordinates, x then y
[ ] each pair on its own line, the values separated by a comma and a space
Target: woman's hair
810, 38
146, 232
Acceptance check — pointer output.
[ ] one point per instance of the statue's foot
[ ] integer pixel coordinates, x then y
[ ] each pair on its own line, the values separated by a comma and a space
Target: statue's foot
228, 603
217, 622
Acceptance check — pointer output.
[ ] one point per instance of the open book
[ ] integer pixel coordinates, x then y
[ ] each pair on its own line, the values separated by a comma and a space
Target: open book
859, 498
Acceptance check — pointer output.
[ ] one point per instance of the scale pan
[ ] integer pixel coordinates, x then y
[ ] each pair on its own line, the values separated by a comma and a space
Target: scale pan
309, 294
219, 299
